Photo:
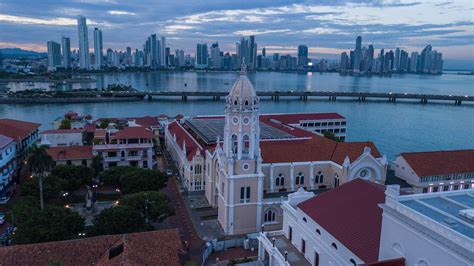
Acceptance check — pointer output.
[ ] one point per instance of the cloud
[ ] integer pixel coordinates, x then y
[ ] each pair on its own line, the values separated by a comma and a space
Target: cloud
120, 12
258, 32
27, 20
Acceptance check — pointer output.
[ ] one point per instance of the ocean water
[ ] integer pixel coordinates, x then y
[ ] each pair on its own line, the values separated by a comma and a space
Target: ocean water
394, 127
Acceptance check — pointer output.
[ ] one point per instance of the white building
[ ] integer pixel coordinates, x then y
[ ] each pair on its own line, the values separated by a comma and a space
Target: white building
131, 146
436, 171
365, 223
428, 229
62, 137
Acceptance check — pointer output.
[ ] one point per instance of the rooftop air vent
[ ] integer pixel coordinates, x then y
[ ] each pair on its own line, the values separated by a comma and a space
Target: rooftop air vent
450, 222
468, 214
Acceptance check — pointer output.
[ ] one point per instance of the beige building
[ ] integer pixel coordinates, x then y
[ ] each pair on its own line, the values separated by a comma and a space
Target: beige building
71, 155
247, 162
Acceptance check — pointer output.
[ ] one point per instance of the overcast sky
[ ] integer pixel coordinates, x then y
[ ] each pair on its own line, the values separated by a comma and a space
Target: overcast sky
326, 26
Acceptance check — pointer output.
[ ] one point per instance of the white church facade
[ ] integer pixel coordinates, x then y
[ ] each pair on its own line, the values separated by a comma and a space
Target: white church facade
247, 163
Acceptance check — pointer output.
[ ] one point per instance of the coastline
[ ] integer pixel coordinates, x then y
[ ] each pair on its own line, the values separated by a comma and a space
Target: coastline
67, 100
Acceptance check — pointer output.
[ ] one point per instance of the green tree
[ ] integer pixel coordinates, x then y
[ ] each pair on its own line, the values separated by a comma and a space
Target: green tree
112, 176
74, 176
39, 164
65, 124
23, 209
51, 186
96, 164
330, 135
118, 220
142, 180
49, 224
104, 124
151, 204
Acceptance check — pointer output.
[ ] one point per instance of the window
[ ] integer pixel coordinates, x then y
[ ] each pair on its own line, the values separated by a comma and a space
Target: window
446, 188
316, 258
435, 189
336, 180
353, 262
334, 246
318, 231
132, 153
319, 177
269, 216
303, 246
290, 233
300, 179
244, 194
84, 162
304, 219
111, 154
234, 144
68, 162
280, 180
198, 169
123, 153
466, 186
425, 190
455, 187
246, 144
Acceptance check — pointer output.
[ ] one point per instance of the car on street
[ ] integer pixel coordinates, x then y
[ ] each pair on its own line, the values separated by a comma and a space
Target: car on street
4, 200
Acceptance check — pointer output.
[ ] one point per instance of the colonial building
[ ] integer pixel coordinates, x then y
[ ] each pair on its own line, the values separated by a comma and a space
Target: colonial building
25, 135
437, 170
7, 164
63, 137
130, 146
365, 223
71, 155
246, 162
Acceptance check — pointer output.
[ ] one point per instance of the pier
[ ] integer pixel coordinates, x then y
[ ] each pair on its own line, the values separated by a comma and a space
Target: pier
305, 95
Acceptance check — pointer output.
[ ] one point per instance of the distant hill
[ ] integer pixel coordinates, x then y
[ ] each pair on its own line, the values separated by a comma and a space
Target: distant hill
20, 53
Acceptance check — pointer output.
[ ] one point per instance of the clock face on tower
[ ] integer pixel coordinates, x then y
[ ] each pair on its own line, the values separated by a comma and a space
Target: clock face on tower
235, 120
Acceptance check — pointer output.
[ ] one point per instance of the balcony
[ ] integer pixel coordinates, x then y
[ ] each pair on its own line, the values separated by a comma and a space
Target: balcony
100, 147
276, 245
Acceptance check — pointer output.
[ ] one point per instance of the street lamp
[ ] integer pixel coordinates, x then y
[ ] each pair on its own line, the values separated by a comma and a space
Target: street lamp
273, 241
286, 255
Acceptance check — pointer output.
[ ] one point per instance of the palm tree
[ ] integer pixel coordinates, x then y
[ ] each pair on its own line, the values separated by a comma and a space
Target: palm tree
39, 164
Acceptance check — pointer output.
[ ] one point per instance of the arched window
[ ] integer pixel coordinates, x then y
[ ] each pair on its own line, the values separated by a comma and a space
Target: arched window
318, 231
319, 178
269, 216
246, 144
246, 102
304, 219
235, 102
300, 179
353, 262
334, 246
234, 144
280, 180
123, 153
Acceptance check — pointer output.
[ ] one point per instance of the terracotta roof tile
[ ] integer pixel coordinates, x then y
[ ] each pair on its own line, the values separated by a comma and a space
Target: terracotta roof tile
70, 153
17, 129
182, 136
133, 133
351, 214
161, 247
440, 162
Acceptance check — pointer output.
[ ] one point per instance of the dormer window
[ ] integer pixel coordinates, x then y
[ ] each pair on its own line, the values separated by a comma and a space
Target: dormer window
235, 102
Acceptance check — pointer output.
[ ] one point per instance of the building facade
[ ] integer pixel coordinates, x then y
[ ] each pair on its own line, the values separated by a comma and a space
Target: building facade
83, 37
62, 137
245, 162
131, 146
71, 155
436, 171
7, 164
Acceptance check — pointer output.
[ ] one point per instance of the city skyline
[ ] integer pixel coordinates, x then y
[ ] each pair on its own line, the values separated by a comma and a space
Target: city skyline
279, 25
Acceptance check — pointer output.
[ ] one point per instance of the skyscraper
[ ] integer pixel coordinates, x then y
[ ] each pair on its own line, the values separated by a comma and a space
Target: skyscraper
396, 60
98, 48
370, 58
66, 45
84, 59
344, 64
201, 56
357, 55
252, 52
163, 51
155, 56
54, 55
215, 56
302, 55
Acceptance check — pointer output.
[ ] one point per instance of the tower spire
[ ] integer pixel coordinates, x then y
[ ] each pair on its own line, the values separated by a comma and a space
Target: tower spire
243, 69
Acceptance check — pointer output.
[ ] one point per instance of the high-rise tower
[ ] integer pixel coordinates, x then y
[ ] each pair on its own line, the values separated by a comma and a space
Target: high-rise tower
66, 46
98, 49
84, 58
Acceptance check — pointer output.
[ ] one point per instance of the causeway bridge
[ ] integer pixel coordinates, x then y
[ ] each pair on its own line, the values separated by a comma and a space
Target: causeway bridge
304, 95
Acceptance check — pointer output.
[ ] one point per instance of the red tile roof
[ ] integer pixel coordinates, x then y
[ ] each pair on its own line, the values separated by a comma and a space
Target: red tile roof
17, 129
161, 247
5, 140
440, 162
133, 133
90, 128
70, 153
296, 118
316, 148
100, 133
62, 131
351, 214
147, 121
183, 136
